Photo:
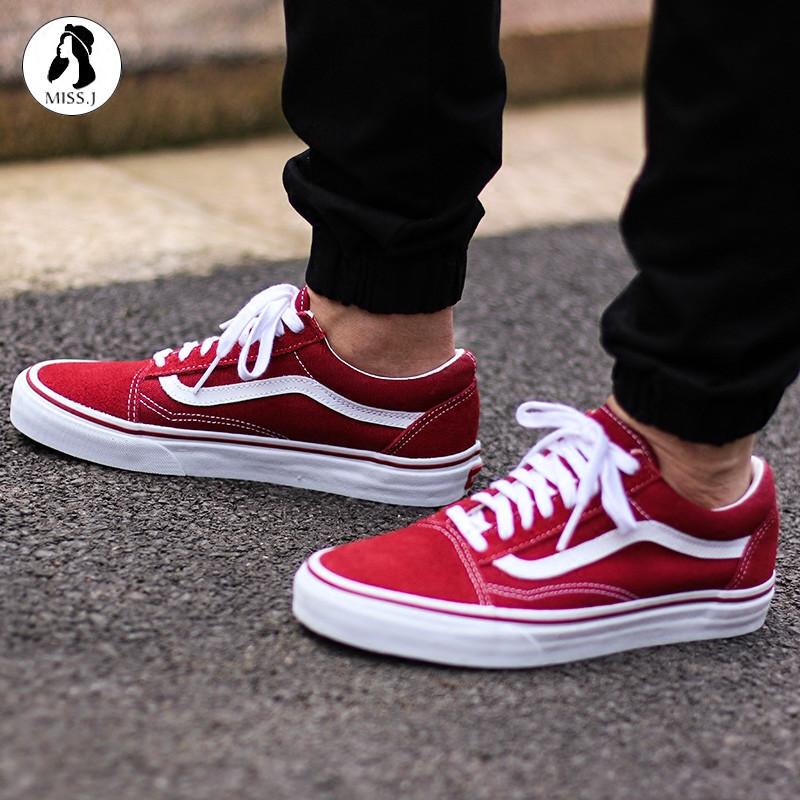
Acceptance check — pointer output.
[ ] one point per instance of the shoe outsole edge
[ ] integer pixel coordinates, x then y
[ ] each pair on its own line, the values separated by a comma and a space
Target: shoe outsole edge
350, 473
398, 629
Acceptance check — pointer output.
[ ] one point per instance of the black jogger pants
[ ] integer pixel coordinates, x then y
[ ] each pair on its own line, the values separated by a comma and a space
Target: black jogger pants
400, 104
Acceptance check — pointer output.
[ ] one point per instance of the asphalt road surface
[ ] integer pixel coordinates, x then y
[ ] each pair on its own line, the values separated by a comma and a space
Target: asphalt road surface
147, 648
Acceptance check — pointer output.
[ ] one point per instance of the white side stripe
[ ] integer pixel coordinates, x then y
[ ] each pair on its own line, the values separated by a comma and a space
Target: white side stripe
587, 553
294, 384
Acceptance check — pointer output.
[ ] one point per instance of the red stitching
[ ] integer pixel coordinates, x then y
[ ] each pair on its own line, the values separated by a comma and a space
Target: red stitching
564, 588
303, 366
635, 436
139, 377
448, 406
751, 548
467, 562
639, 508
171, 416
130, 391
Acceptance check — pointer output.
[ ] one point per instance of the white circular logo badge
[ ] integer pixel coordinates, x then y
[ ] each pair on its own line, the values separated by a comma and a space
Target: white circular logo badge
71, 65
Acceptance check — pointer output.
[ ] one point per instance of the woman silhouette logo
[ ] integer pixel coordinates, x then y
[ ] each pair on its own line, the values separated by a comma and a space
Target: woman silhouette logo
83, 72
74, 47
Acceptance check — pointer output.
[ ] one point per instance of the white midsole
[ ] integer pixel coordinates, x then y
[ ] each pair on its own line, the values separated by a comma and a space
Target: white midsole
401, 481
394, 628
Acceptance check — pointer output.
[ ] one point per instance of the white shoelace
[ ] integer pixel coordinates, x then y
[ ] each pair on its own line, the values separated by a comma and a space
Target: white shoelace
261, 320
580, 461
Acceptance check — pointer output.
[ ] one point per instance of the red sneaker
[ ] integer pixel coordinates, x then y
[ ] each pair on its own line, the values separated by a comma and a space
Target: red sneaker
583, 550
268, 400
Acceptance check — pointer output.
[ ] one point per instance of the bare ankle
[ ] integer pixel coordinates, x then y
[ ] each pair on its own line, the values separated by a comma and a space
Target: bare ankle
709, 475
392, 345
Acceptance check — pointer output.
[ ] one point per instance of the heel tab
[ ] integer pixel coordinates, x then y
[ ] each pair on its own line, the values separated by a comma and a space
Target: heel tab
470, 356
450, 427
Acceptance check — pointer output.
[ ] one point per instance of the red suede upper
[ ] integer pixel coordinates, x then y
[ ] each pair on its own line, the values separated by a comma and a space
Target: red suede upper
452, 426
101, 385
432, 558
447, 399
423, 559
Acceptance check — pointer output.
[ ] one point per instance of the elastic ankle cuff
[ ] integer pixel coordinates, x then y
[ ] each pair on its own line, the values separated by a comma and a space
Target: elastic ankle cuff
385, 284
690, 413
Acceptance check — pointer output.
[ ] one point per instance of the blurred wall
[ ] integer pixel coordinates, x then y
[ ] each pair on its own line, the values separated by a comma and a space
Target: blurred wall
195, 70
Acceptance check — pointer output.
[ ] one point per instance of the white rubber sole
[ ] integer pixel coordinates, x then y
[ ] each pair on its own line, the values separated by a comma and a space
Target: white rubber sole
103, 439
463, 635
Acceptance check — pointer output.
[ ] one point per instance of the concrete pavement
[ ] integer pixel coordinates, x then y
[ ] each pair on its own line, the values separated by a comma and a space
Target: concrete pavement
82, 221
147, 648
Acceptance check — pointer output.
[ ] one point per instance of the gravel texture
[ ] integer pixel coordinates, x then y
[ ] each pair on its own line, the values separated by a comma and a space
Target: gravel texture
147, 649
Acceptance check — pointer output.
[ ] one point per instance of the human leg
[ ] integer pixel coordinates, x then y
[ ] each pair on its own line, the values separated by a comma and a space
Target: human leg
400, 104
706, 337
646, 521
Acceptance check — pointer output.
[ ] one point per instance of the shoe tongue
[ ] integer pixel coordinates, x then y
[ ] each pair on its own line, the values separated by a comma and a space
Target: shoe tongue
622, 434
302, 301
